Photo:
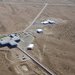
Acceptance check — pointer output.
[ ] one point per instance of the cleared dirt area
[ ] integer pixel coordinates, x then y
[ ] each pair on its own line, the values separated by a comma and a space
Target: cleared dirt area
11, 63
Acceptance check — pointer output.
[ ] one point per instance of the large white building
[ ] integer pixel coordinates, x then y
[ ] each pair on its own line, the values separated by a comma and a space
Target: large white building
10, 41
39, 30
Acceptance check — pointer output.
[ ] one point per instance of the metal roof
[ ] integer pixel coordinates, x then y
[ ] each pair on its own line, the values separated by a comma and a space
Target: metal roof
48, 22
3, 42
9, 41
15, 38
30, 46
12, 42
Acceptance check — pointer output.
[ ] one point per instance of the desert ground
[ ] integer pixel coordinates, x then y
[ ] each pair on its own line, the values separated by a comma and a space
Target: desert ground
16, 17
55, 48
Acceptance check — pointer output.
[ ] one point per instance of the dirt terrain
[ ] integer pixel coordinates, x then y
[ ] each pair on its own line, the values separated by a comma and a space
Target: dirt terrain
56, 47
5, 64
58, 55
10, 63
16, 17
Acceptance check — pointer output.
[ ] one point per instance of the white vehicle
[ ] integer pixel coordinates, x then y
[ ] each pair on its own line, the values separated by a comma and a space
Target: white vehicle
48, 22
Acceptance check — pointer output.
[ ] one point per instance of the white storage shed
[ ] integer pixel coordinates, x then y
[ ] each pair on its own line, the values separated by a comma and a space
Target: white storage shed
30, 46
39, 30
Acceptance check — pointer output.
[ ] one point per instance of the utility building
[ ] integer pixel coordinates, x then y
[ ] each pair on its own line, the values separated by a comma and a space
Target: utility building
39, 30
48, 22
30, 47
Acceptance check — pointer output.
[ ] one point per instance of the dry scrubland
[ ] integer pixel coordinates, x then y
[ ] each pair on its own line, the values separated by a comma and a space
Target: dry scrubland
62, 30
5, 66
11, 65
16, 17
59, 51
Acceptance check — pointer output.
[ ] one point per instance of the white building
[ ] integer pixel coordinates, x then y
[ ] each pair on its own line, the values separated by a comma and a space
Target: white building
39, 30
44, 22
30, 46
12, 43
48, 22
3, 42
51, 21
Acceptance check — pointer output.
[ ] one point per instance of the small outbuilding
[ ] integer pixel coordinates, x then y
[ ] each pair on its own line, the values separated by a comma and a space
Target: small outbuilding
48, 22
39, 30
51, 21
44, 22
30, 46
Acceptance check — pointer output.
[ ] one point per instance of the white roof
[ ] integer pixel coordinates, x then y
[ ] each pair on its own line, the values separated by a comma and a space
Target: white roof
47, 21
30, 46
15, 38
9, 40
51, 21
3, 42
12, 42
39, 30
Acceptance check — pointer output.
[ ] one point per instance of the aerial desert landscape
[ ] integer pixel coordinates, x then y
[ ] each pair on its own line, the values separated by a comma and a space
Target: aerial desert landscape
54, 47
